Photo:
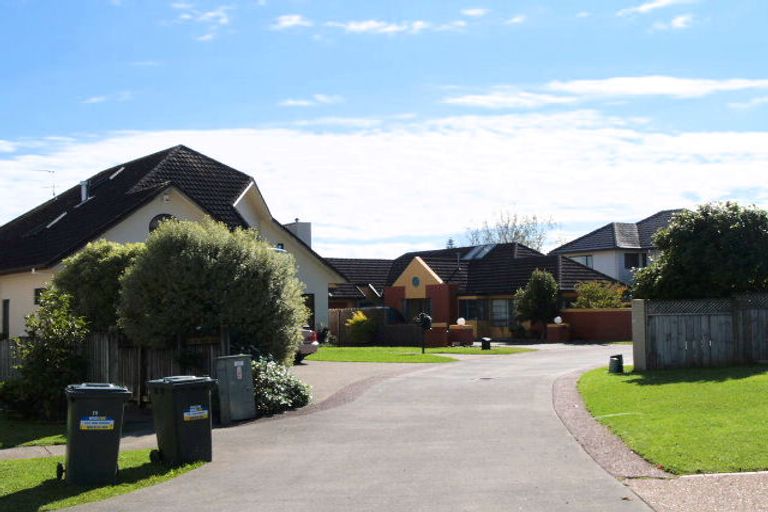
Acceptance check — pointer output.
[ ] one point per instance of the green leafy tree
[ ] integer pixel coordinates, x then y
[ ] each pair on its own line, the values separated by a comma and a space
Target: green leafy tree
50, 358
197, 278
92, 278
539, 300
599, 295
717, 250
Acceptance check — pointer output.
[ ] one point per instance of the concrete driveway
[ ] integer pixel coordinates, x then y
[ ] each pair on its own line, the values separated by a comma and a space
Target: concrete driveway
479, 435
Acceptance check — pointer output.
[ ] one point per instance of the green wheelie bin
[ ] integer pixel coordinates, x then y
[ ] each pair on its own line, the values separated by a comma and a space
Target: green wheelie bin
181, 408
94, 426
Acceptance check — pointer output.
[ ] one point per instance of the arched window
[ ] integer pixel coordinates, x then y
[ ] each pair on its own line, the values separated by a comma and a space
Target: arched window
157, 219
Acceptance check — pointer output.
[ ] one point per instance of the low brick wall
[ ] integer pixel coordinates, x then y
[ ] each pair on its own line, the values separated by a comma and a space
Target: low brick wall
599, 324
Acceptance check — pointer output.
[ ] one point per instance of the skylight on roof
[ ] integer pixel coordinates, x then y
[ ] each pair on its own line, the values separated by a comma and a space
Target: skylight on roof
54, 221
479, 252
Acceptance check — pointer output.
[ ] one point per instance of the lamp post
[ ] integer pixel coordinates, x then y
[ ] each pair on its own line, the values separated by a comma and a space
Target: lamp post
425, 322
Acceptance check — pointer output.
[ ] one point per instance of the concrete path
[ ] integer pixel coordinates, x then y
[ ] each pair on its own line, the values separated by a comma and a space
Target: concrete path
479, 435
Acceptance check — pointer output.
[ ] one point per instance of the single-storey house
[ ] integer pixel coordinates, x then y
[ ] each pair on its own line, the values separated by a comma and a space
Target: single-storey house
476, 283
123, 204
618, 248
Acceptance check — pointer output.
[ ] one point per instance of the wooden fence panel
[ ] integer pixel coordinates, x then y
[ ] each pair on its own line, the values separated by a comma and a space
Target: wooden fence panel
705, 333
8, 360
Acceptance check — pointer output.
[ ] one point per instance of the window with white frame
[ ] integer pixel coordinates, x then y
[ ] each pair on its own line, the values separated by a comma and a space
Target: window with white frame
585, 260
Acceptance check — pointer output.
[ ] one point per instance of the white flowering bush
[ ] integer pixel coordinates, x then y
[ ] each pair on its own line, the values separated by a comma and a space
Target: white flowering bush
275, 389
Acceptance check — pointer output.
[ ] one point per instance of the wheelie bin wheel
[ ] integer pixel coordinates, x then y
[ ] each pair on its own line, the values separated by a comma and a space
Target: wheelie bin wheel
59, 471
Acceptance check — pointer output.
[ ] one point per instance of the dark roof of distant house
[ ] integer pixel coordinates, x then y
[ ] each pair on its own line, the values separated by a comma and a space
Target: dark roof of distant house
57, 228
620, 235
452, 265
360, 273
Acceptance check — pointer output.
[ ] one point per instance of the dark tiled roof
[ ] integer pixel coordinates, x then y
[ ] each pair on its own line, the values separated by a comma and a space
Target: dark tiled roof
360, 272
451, 264
27, 241
619, 235
648, 227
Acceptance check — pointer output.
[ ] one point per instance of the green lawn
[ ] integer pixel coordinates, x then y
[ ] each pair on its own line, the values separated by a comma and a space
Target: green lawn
688, 421
19, 432
402, 354
495, 351
30, 484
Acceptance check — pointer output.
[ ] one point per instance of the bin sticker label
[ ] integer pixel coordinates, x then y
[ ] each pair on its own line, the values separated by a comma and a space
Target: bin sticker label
239, 373
196, 413
239, 363
97, 423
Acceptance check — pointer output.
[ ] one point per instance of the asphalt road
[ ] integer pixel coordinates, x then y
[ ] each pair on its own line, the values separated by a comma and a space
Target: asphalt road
479, 435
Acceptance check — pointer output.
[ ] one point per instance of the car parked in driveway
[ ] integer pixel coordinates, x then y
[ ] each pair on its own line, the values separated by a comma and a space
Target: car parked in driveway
308, 345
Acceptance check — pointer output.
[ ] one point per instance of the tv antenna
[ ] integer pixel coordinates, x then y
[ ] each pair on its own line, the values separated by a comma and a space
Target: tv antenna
52, 186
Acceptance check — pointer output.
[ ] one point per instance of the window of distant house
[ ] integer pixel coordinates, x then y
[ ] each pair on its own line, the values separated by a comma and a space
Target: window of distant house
415, 306
157, 219
38, 293
631, 260
280, 246
584, 260
500, 312
473, 309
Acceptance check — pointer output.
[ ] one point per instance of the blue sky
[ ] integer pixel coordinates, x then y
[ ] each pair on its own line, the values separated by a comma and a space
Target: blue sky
394, 125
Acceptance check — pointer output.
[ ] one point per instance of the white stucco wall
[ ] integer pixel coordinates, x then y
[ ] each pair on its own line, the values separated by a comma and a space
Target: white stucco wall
315, 275
603, 261
20, 290
135, 228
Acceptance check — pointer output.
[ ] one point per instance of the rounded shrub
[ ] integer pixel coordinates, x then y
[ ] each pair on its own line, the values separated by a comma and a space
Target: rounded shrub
276, 389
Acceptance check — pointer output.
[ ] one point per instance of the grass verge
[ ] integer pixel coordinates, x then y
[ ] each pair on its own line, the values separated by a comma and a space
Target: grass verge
687, 421
19, 432
495, 351
403, 354
377, 355
30, 484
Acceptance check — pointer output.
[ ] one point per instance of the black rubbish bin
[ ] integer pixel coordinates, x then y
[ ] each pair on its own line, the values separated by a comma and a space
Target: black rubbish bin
485, 344
616, 364
94, 426
181, 408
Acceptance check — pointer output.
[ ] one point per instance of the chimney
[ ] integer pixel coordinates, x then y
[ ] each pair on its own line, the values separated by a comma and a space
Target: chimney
302, 230
84, 192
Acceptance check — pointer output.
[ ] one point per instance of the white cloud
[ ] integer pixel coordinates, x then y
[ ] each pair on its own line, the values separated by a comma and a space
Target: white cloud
583, 14
677, 23
212, 20
451, 26
651, 6
119, 97
591, 169
7, 146
380, 27
344, 122
655, 85
749, 104
291, 21
315, 100
516, 20
504, 97
475, 12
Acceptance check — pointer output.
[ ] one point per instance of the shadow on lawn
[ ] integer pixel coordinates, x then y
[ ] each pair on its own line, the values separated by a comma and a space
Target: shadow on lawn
657, 377
52, 490
15, 430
